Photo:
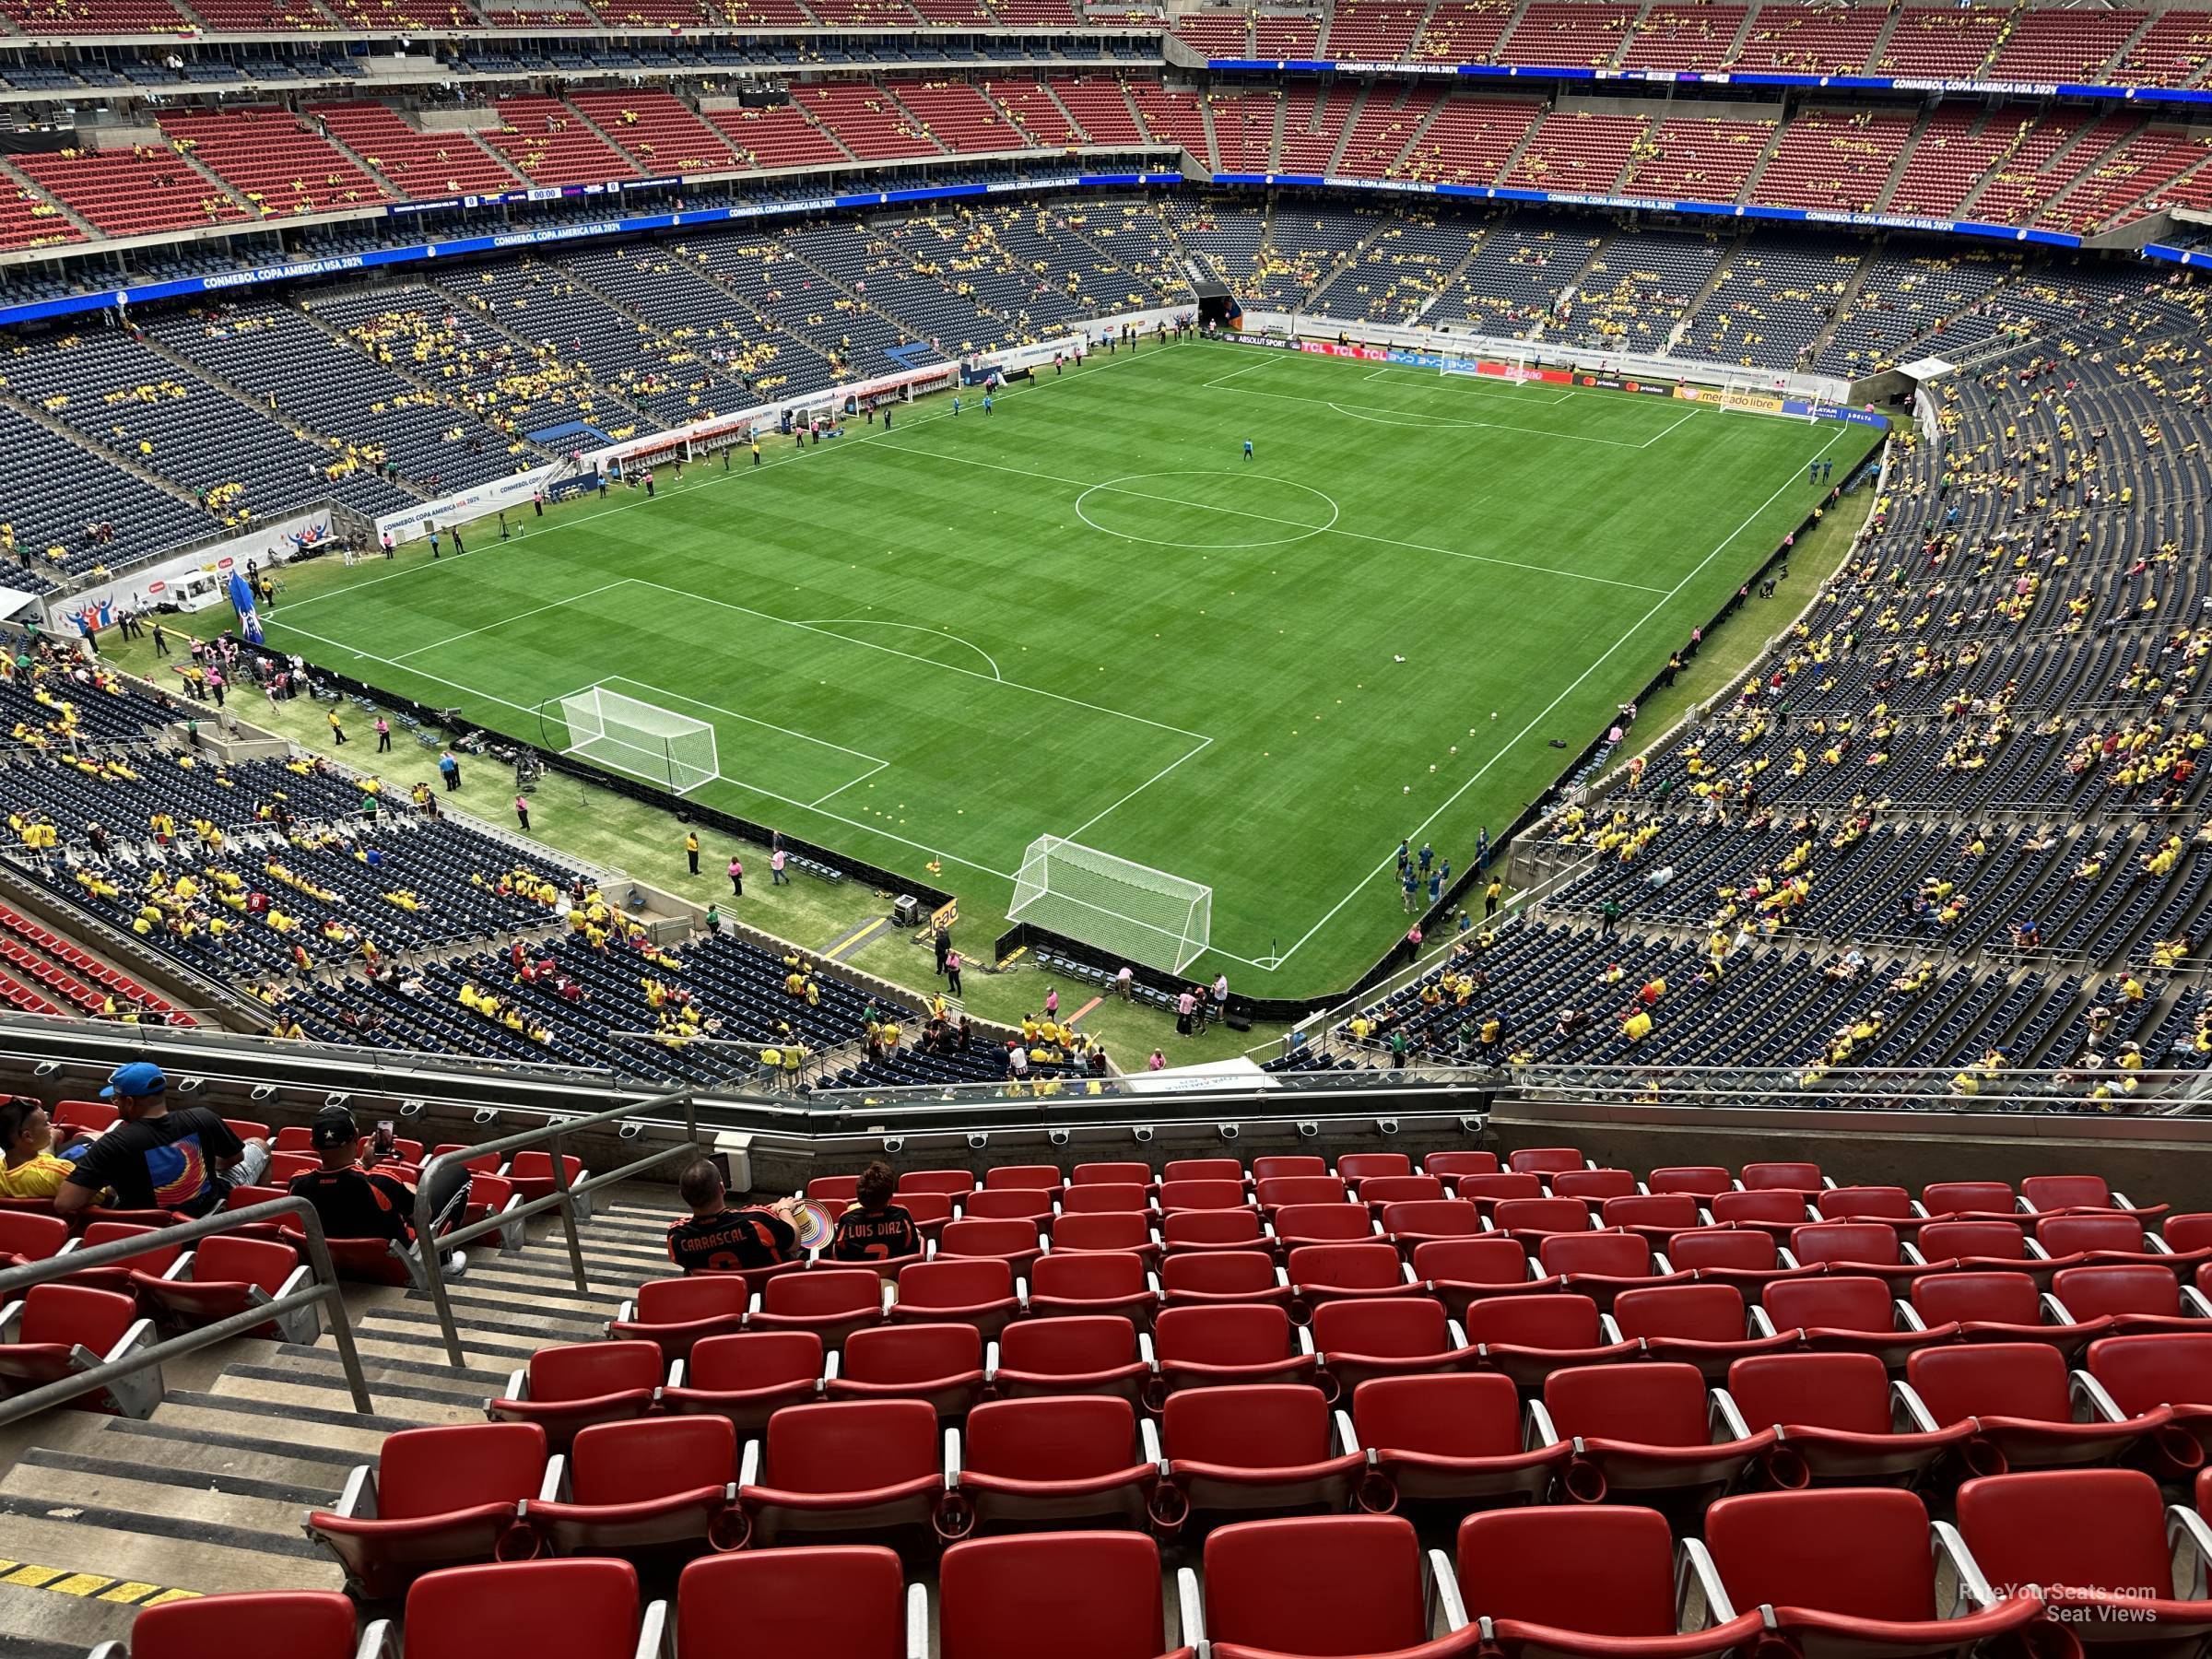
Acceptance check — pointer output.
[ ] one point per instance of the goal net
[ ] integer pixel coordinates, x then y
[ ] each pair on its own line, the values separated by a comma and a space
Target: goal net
1128, 909
642, 739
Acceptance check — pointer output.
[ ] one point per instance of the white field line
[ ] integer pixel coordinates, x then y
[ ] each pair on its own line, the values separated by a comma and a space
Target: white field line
470, 633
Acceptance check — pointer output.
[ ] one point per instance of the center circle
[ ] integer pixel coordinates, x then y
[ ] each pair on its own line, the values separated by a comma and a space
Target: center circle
1242, 526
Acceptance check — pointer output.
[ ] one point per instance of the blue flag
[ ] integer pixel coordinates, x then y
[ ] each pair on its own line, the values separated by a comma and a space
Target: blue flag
242, 601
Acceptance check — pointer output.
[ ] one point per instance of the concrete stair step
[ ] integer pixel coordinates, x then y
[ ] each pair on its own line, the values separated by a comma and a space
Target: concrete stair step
299, 1382
173, 1554
309, 1428
494, 1337
70, 1485
51, 1624
316, 1475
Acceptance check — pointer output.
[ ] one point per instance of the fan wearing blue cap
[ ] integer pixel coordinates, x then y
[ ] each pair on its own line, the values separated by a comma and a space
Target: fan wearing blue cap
155, 1158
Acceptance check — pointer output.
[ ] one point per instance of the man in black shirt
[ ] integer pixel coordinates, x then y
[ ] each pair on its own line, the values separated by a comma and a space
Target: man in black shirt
353, 1202
155, 1158
874, 1229
715, 1236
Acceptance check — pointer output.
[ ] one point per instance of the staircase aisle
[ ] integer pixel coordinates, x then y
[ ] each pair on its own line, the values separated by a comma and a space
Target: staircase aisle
99, 1516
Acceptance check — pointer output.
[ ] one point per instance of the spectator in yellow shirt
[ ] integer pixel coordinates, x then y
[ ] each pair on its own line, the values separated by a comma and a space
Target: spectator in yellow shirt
30, 1164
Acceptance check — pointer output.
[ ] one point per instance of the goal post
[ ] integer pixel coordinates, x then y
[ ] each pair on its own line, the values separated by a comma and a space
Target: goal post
1127, 908
641, 739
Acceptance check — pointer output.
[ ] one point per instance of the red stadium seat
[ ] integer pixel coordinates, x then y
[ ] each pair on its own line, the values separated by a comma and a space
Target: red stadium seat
1594, 1186
1843, 1572
1449, 1438
1486, 1191
1041, 1178
1092, 1283
832, 1302
262, 1624
1213, 1229
2024, 1412
1890, 1203
1203, 1169
1298, 1224
674, 1315
1329, 1584
832, 1601
1032, 1205
2139, 1374
1202, 1195
1747, 1257
1783, 1178
977, 1291
1073, 1595
1014, 1242
1459, 1271
228, 1274
2096, 1542
1647, 1433
157, 1261
1409, 1225
1699, 1325
2046, 1195
1984, 1243
1117, 1230
25, 1235
1700, 1181
1533, 1219
1870, 1249
1195, 1278
1839, 1420
1218, 1347
1999, 1306
1602, 1264
587, 1606
1847, 1313
1113, 1174
1964, 1198
447, 1496
942, 1364
1582, 1583
1779, 1212
1529, 1337
658, 1483
568, 1388
1452, 1165
866, 1469
1545, 1161
1656, 1215
1278, 1192
57, 1331
746, 1378
1379, 1192
1288, 1163
950, 1183
1266, 1450
2136, 1300
1073, 1461
1391, 1337
1096, 1354
1324, 1272
1356, 1167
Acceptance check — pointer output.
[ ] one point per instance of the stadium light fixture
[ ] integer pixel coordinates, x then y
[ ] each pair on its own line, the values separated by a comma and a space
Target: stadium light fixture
263, 1091
1386, 1125
894, 1144
1307, 1128
1058, 1138
1226, 1131
978, 1140
487, 1114
337, 1097
1144, 1135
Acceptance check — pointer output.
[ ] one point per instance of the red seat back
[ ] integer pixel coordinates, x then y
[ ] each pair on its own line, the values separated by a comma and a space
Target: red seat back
1211, 1228
1266, 1426
851, 1446
748, 1361
845, 1187
1845, 1392
1868, 1243
1670, 1210
579, 1606
1118, 1230
1068, 1437
1008, 1239
651, 1457
846, 1600
2187, 1233
1105, 1198
2099, 1530
1463, 1414
1545, 1161
1218, 1272
157, 1259
31, 1236
2166, 1367
1346, 1267
1687, 1312
2049, 1192
1995, 1297
1613, 1254
1451, 1164
585, 1370
1490, 1260
1323, 1223
1288, 1163
1864, 1553
1834, 1303
1991, 1380
1657, 1405
1499, 1184
701, 1296
1279, 1191
1864, 1203
1551, 1321
1090, 1277
822, 1291
1701, 1181
1203, 1169
1338, 1585
1542, 1215
967, 1282
1391, 1326
1433, 1217
2070, 1235
1769, 1208
1111, 1174
1782, 1177
1067, 1348
1399, 1189
1201, 1194
1742, 1250
1967, 1198
72, 1315
1356, 1167
1990, 1240
1044, 1178
1238, 1333
289, 1624
2093, 1292
909, 1354
458, 1465
949, 1181
229, 1259
1607, 1571
1600, 1184
1073, 1595
1007, 1203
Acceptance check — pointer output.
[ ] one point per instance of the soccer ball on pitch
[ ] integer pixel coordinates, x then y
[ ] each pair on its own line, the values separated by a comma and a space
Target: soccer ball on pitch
1408, 790
1493, 714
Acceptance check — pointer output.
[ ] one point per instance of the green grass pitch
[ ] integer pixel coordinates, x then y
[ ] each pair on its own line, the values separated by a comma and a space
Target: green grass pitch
1087, 615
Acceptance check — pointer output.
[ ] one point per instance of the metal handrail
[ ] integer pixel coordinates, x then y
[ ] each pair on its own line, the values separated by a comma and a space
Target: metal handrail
430, 1249
326, 1291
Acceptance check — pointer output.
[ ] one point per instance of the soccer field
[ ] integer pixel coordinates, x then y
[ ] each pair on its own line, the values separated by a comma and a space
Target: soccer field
1087, 615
